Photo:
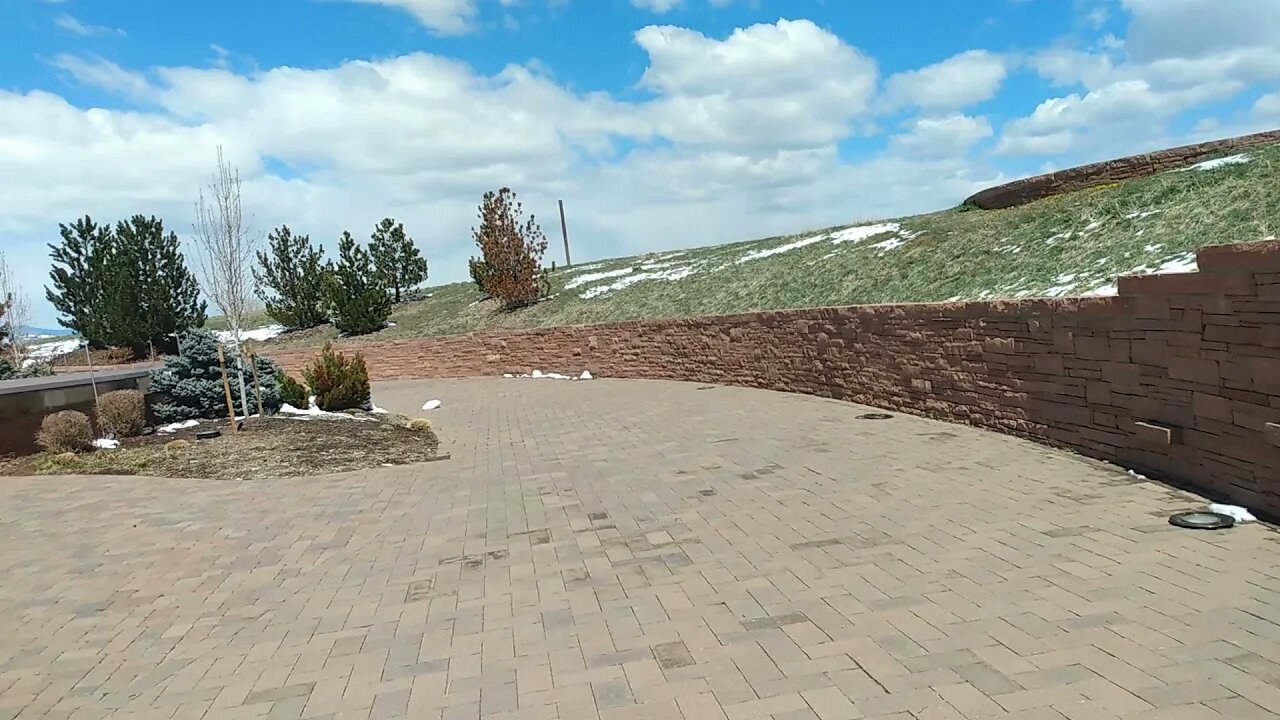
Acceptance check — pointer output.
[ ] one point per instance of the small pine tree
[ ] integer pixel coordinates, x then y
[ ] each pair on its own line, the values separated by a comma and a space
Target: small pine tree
292, 280
192, 382
292, 392
357, 296
397, 259
511, 250
339, 382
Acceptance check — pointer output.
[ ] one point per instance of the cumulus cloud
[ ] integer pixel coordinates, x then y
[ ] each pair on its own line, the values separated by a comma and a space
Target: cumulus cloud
961, 80
1176, 55
940, 137
790, 83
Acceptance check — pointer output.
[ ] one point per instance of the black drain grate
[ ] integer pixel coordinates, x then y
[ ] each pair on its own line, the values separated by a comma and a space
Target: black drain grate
1202, 520
875, 416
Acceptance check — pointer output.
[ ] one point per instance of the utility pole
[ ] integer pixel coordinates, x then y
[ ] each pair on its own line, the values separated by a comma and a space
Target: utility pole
564, 230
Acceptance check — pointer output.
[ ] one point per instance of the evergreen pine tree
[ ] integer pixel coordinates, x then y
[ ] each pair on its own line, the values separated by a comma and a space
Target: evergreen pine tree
129, 288
510, 264
192, 382
151, 276
398, 261
357, 294
292, 280
76, 275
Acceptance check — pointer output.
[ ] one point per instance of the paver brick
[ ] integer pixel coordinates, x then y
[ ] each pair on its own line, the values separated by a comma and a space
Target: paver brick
639, 550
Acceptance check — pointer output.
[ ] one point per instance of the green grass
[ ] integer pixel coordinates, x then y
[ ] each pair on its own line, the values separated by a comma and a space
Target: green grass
1065, 245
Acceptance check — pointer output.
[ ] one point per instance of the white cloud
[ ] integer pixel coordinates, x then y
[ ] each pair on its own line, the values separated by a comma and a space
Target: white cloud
949, 136
70, 24
961, 80
1267, 108
1121, 109
791, 84
445, 17
1176, 55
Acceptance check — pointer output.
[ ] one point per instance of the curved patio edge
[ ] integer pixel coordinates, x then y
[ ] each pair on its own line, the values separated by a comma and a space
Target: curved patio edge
1178, 375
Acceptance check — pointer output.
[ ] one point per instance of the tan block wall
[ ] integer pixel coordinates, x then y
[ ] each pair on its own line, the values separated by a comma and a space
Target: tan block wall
1179, 375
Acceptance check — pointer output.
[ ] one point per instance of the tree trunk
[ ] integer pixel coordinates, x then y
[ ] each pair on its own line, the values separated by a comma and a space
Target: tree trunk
244, 394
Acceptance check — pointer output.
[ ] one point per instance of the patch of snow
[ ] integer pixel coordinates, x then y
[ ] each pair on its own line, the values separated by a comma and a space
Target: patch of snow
1053, 239
1092, 226
1216, 163
106, 444
431, 404
586, 375
891, 244
1138, 215
378, 411
175, 427
1235, 512
1103, 291
261, 334
507, 375
584, 268
389, 324
592, 277
863, 232
675, 273
314, 411
793, 245
1185, 262
47, 351
1154, 247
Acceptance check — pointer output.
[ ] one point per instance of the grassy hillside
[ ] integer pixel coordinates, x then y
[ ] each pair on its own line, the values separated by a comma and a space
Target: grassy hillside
1067, 245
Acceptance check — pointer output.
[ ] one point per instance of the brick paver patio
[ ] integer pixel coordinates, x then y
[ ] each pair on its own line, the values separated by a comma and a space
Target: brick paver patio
639, 550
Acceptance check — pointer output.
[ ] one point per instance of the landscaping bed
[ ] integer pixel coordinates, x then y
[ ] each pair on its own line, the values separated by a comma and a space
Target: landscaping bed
265, 448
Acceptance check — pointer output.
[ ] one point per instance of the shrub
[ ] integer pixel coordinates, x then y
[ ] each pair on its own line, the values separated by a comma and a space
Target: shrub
511, 251
122, 413
339, 382
65, 431
193, 382
419, 424
292, 392
8, 371
176, 445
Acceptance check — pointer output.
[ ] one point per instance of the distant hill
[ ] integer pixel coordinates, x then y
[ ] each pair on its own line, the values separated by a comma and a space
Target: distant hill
40, 332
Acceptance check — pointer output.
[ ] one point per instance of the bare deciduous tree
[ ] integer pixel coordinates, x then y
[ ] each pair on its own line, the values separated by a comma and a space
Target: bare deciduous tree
225, 252
17, 315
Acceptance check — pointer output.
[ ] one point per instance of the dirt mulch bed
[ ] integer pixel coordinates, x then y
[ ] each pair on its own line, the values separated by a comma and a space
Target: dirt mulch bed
265, 448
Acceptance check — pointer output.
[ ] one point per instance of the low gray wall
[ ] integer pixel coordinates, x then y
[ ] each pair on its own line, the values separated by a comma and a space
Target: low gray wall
25, 403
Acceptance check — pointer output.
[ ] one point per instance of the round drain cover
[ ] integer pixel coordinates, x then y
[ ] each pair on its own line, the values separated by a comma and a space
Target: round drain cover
1202, 520
875, 416
207, 434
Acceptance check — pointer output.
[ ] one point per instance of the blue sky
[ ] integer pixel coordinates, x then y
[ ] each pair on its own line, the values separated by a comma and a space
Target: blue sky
662, 123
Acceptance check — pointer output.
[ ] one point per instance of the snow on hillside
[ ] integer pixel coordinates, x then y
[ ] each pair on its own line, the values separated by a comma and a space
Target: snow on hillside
49, 350
261, 334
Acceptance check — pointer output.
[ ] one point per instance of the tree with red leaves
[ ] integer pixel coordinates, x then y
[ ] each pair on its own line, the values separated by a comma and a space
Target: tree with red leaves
511, 248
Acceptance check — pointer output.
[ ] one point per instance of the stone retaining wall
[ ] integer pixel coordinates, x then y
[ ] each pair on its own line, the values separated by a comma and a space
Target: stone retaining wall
1179, 375
1026, 190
